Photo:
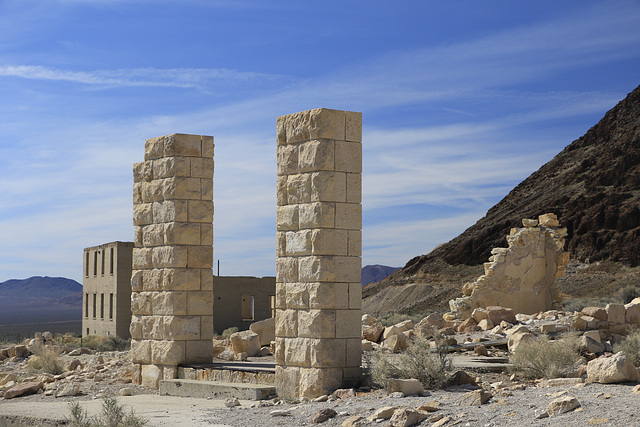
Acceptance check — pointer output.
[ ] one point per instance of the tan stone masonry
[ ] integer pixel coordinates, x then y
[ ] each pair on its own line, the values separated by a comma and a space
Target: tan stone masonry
172, 278
522, 276
319, 244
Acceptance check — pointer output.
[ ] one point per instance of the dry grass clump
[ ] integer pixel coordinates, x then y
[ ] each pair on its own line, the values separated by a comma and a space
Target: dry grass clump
229, 331
543, 358
631, 347
112, 415
106, 343
45, 359
428, 365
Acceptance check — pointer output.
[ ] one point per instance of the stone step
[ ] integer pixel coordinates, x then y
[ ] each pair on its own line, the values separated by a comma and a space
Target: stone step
214, 389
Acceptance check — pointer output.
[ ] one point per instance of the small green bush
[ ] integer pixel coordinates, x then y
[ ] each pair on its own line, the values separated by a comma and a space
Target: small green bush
420, 361
229, 331
112, 415
543, 358
631, 347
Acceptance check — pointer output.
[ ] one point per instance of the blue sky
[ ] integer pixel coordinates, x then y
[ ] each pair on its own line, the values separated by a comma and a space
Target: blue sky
460, 100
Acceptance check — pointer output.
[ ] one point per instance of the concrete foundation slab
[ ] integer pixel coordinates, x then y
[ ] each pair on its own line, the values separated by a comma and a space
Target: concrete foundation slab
204, 389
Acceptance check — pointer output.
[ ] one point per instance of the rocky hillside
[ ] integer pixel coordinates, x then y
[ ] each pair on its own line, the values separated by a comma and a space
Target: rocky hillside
593, 186
375, 273
39, 299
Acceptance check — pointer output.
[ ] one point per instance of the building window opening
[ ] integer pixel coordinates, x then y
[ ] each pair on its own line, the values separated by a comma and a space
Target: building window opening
247, 307
95, 263
95, 298
86, 264
272, 305
87, 331
111, 262
102, 306
110, 306
102, 265
86, 305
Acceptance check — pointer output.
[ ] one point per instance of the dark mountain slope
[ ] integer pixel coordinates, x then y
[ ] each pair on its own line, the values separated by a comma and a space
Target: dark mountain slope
593, 186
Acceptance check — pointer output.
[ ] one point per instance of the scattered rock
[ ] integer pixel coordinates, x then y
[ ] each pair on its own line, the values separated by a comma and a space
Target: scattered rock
354, 421
396, 343
323, 415
407, 387
344, 393
518, 338
265, 329
480, 350
614, 369
383, 413
475, 398
23, 389
373, 332
231, 402
460, 378
126, 391
245, 342
432, 406
405, 417
280, 412
69, 389
562, 405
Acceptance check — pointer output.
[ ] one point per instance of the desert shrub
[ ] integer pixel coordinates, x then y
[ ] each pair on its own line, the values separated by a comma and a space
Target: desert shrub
543, 358
577, 304
391, 318
45, 359
106, 343
631, 347
112, 415
229, 331
428, 365
628, 293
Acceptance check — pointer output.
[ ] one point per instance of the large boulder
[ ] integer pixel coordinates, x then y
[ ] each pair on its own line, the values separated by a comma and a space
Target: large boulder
597, 312
407, 387
405, 417
396, 343
23, 389
245, 342
613, 369
266, 330
498, 314
518, 338
372, 332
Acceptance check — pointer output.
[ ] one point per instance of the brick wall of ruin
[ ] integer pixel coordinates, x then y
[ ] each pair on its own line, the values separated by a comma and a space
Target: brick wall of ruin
521, 276
319, 244
172, 277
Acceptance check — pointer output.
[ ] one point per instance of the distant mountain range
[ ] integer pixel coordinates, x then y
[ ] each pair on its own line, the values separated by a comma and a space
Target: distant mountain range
40, 299
375, 273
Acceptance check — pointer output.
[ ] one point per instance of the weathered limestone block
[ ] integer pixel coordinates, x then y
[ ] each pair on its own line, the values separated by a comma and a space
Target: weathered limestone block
245, 342
347, 324
317, 382
169, 256
373, 332
286, 323
151, 375
170, 211
632, 311
316, 323
170, 353
266, 330
597, 312
615, 313
181, 327
613, 369
408, 387
326, 187
199, 303
287, 218
179, 233
313, 215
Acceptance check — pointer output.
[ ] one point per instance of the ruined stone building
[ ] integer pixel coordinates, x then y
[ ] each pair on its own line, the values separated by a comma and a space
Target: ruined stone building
106, 284
240, 301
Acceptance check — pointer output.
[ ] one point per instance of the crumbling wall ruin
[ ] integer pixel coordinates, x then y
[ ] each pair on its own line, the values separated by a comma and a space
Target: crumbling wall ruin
172, 277
522, 276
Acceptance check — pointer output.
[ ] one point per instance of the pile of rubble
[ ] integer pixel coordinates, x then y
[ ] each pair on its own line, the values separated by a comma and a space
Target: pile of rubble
82, 372
255, 342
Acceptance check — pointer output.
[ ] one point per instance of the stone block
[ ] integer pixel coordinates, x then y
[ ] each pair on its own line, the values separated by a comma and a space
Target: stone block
348, 324
347, 269
281, 295
316, 155
632, 312
349, 216
354, 352
286, 269
181, 279
296, 296
287, 218
318, 382
206, 189
317, 324
326, 186
327, 353
170, 211
281, 185
615, 313
287, 159
245, 342
143, 214
154, 148
141, 258
137, 193
281, 243
328, 295
354, 188
170, 353
348, 157
299, 188
169, 256
152, 191
298, 243
152, 327
206, 327
329, 242
288, 382
353, 126
355, 243
316, 269
153, 235
355, 296
200, 303
151, 376
200, 257
180, 233
141, 351
266, 330
202, 167
168, 303
407, 387
199, 351
181, 327
207, 146
206, 234
286, 323
206, 279
135, 328
180, 144
312, 124
317, 215
548, 220
137, 280
200, 211
152, 280
171, 166
181, 188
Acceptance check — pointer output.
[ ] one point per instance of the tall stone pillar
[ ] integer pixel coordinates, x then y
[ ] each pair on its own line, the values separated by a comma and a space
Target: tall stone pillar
172, 278
319, 245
